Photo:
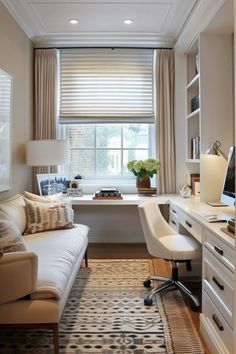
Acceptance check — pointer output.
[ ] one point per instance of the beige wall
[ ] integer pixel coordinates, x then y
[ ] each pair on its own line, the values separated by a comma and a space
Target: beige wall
16, 57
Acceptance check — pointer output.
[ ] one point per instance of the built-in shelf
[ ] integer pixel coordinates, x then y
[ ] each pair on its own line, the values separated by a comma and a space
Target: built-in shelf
194, 82
194, 113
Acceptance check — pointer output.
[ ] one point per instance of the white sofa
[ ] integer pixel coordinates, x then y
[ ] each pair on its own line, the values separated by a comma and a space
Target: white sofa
36, 283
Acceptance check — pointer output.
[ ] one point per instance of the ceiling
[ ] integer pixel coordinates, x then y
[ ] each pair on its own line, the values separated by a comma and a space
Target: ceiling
46, 22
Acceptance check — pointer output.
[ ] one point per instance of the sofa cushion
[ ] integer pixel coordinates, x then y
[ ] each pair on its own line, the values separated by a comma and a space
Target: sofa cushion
10, 238
47, 216
14, 209
57, 253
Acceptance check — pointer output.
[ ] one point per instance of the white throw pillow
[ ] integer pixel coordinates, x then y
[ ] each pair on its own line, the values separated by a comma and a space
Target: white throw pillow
14, 209
47, 216
10, 238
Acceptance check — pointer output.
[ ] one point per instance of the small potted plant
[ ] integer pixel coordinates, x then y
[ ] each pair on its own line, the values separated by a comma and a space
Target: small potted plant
144, 170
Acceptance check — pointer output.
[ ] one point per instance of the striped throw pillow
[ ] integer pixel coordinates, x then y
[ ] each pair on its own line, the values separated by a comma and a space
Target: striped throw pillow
47, 216
10, 238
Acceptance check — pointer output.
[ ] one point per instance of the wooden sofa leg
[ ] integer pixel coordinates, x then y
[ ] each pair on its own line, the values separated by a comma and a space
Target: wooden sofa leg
86, 258
55, 329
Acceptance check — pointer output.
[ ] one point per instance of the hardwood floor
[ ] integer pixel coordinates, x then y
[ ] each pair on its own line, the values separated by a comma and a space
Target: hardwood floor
138, 251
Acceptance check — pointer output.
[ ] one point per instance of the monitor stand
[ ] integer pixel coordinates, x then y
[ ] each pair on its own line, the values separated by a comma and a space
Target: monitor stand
216, 204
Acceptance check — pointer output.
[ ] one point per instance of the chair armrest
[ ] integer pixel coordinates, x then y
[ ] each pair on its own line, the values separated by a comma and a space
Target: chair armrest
18, 275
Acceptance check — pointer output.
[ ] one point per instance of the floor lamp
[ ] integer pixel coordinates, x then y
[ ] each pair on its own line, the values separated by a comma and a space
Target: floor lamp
47, 153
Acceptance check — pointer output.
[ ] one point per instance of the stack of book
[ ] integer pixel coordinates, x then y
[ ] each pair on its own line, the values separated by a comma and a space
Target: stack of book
231, 226
108, 193
195, 148
230, 229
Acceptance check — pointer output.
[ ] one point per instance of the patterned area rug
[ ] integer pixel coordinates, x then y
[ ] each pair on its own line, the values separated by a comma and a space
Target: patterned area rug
105, 314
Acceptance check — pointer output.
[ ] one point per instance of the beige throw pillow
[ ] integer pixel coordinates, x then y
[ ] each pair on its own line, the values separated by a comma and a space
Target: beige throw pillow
47, 199
47, 216
10, 238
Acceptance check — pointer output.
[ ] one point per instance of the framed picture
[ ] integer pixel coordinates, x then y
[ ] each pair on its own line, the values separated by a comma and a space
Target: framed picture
58, 183
5, 130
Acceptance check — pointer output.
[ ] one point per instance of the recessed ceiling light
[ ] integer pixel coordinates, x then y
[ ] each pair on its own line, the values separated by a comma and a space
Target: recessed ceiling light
74, 21
128, 21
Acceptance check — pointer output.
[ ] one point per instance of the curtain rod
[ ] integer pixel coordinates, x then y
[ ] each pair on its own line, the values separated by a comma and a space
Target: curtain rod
108, 47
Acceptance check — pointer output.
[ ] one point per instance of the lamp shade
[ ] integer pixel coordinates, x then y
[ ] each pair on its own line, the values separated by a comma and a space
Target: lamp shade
46, 152
212, 172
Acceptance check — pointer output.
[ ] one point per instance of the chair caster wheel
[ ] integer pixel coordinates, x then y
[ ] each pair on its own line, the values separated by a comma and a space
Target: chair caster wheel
147, 283
148, 302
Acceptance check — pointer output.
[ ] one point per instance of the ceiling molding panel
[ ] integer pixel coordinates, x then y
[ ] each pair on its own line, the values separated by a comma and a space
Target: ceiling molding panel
159, 22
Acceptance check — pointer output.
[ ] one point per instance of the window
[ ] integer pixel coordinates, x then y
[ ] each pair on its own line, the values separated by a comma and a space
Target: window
106, 107
103, 150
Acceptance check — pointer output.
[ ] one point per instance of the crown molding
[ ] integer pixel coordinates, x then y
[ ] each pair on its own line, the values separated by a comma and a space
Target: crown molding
203, 14
102, 40
20, 13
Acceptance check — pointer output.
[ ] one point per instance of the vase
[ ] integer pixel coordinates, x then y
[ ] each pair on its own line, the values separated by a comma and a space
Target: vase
144, 183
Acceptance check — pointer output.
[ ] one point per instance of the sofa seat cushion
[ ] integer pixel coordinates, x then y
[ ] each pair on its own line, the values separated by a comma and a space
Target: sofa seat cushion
57, 253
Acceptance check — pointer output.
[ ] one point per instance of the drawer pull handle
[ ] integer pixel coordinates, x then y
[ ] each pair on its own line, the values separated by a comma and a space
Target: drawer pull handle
217, 322
173, 222
173, 211
218, 250
220, 286
188, 223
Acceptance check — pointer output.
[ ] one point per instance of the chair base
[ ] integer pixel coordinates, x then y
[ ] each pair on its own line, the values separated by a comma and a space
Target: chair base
167, 283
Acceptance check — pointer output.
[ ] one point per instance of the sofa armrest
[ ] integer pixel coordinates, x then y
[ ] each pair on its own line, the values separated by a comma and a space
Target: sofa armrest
18, 275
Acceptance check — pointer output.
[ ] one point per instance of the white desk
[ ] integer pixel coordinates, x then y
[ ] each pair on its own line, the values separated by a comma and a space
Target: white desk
216, 320
218, 254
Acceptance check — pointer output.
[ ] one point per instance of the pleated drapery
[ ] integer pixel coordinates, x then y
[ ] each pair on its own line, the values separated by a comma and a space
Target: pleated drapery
46, 93
165, 121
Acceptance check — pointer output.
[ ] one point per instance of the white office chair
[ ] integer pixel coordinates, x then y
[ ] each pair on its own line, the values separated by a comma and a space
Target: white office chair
164, 242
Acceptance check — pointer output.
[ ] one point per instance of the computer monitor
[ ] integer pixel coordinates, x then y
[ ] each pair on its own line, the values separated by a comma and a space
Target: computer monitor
228, 192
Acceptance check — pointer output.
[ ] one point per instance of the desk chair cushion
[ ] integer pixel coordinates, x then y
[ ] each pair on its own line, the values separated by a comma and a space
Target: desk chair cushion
180, 247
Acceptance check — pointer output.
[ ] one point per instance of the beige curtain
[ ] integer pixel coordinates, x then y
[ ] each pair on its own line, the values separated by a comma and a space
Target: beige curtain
46, 93
165, 121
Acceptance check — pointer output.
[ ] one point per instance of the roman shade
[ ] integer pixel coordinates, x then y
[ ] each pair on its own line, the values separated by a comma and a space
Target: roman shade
106, 85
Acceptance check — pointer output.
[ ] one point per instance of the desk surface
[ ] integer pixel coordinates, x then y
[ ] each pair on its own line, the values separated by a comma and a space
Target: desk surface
128, 199
193, 207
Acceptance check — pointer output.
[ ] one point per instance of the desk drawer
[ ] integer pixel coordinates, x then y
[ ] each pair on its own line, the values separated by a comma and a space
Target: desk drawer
191, 225
218, 283
218, 326
222, 251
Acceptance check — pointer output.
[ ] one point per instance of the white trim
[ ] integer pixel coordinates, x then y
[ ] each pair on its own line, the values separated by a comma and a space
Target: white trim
203, 14
100, 39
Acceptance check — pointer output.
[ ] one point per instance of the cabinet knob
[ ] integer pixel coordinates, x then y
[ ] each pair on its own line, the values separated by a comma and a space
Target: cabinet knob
218, 250
188, 223
217, 322
173, 222
220, 286
173, 211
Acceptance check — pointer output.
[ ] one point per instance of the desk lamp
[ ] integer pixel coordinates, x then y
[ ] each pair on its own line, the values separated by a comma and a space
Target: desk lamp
212, 171
47, 153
